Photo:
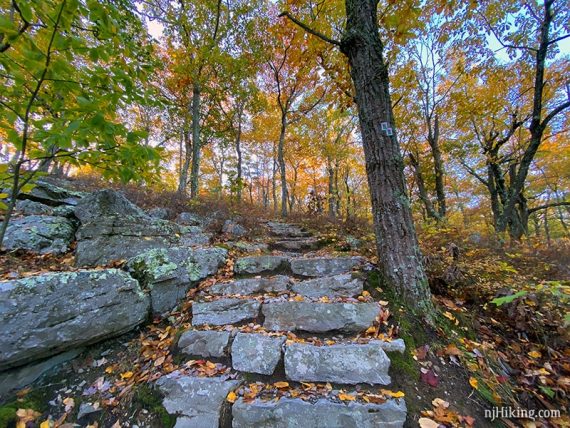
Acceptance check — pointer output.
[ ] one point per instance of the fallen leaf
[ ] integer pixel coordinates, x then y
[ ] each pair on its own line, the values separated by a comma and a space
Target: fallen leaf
428, 376
535, 354
427, 423
69, 404
438, 402
346, 397
232, 397
474, 382
281, 385
127, 375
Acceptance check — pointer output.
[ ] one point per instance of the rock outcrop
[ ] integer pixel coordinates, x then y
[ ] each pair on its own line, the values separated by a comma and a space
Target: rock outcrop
40, 233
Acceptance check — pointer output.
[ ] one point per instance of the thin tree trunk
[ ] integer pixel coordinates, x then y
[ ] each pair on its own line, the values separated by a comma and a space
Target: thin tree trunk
331, 198
185, 165
239, 154
196, 144
282, 166
274, 186
398, 250
424, 197
433, 140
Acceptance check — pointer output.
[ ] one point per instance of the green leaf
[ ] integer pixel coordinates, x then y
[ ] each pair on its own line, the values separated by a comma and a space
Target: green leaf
508, 299
548, 391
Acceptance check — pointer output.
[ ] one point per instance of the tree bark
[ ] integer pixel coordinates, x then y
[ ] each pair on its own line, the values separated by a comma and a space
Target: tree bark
185, 166
239, 154
398, 250
282, 166
196, 145
424, 197
433, 140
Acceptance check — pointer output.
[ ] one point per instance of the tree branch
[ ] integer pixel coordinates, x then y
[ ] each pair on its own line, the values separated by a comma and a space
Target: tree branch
545, 206
309, 29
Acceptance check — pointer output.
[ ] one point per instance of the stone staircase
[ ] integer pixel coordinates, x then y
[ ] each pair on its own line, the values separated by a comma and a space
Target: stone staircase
290, 327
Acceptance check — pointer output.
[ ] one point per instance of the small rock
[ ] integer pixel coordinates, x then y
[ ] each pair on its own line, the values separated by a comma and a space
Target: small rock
256, 353
87, 409
189, 219
233, 228
224, 311
160, 213
248, 286
260, 264
40, 233
208, 343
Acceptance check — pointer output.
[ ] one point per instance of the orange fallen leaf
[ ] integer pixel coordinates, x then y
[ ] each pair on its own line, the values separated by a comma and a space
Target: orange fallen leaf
346, 397
232, 397
281, 385
474, 382
127, 375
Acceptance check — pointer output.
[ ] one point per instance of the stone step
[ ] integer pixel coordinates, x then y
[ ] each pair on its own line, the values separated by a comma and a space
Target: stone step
260, 264
324, 266
347, 363
197, 401
295, 244
287, 230
319, 317
205, 343
249, 286
256, 353
224, 311
324, 413
342, 285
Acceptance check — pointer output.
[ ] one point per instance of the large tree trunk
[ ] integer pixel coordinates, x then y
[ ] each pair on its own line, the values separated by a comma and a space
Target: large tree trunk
282, 166
196, 145
398, 250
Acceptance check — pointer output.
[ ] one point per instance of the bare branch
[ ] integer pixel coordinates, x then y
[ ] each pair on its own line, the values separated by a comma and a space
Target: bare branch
309, 29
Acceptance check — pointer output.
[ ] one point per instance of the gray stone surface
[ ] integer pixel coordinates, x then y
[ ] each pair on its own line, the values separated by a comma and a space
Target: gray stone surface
20, 377
224, 311
159, 212
204, 343
397, 345
319, 317
53, 312
27, 207
324, 266
247, 286
198, 402
195, 239
295, 244
260, 264
287, 230
249, 247
168, 273
297, 413
112, 228
350, 363
48, 192
233, 228
343, 285
40, 233
256, 353
189, 219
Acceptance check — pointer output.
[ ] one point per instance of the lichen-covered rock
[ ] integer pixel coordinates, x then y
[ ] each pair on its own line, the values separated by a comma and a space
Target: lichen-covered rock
189, 219
349, 363
324, 266
343, 285
224, 311
53, 312
113, 228
256, 353
191, 236
204, 343
296, 244
40, 233
168, 273
248, 286
287, 230
159, 213
249, 247
49, 193
27, 207
260, 264
324, 413
233, 228
319, 317
197, 401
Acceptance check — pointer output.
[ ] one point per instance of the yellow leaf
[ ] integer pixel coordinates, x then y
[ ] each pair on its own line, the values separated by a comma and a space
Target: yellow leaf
535, 354
370, 330
346, 397
474, 382
298, 298
366, 293
232, 397
449, 316
398, 394
281, 384
109, 370
45, 424
127, 375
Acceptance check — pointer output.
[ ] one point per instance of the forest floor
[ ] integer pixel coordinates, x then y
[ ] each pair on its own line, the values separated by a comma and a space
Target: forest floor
513, 352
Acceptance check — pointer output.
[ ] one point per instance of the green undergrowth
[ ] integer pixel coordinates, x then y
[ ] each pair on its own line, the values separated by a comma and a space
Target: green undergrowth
151, 400
34, 400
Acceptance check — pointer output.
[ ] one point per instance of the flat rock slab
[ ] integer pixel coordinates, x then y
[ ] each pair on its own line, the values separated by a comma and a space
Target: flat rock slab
224, 311
319, 317
343, 285
248, 286
209, 343
198, 402
53, 312
324, 266
256, 353
168, 273
296, 413
260, 264
287, 230
40, 234
341, 363
296, 244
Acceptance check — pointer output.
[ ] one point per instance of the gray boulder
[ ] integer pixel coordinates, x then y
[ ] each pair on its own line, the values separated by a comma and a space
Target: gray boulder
224, 311
287, 230
319, 317
206, 343
260, 264
256, 353
53, 312
296, 244
189, 219
159, 213
233, 228
27, 207
324, 413
168, 273
350, 363
197, 401
49, 193
112, 228
248, 286
191, 236
343, 285
249, 247
40, 233
324, 266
